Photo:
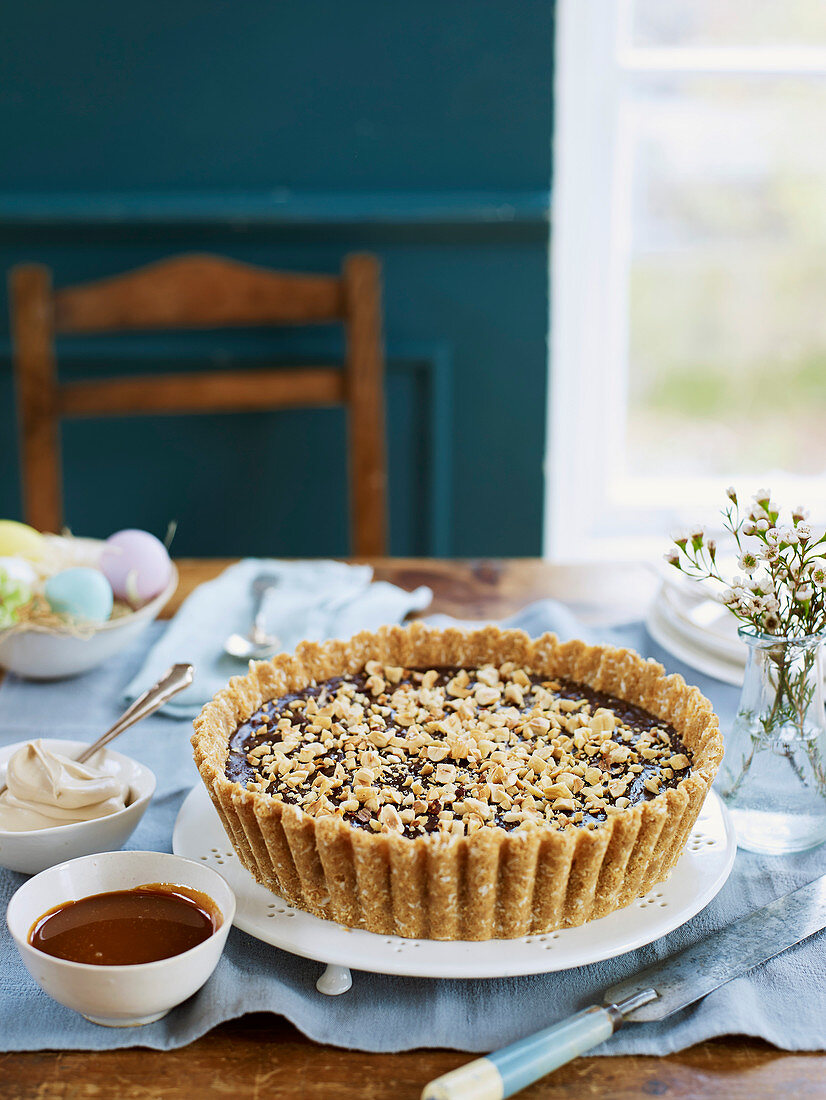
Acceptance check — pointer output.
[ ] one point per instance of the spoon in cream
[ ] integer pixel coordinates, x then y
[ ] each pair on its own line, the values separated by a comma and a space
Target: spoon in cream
175, 679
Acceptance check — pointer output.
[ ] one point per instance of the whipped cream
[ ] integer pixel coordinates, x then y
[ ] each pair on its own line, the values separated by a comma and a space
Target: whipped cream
45, 789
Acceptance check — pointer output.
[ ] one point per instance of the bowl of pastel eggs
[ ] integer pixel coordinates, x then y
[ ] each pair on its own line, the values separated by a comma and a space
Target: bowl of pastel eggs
67, 604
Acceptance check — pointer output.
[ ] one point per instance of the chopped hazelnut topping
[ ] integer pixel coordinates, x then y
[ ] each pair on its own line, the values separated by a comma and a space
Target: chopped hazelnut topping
390, 816
438, 750
488, 676
486, 695
452, 751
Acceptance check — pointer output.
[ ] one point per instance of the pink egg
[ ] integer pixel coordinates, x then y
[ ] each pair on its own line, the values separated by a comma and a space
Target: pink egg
136, 565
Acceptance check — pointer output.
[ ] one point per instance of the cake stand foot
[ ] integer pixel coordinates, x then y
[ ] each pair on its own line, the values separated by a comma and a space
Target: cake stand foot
334, 980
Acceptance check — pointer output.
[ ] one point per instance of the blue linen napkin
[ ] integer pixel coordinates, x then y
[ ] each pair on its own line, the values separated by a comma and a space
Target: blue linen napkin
312, 600
783, 1001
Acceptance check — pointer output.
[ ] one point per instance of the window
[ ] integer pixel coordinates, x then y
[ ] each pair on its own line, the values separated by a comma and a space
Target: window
688, 321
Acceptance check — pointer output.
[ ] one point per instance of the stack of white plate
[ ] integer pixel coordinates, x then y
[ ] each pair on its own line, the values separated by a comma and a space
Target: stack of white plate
691, 622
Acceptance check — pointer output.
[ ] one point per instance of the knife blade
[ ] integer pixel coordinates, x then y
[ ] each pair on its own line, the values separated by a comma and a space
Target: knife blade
652, 994
689, 975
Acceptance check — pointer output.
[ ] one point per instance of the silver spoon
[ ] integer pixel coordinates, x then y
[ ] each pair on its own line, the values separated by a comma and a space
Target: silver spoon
175, 679
258, 644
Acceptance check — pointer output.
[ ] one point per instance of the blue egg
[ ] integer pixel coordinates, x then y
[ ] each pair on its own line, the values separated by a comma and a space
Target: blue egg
81, 593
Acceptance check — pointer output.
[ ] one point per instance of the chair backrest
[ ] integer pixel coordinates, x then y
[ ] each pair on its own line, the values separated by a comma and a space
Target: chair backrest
202, 291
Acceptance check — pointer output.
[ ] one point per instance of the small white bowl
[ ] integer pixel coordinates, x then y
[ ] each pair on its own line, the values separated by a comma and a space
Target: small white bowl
50, 653
37, 849
119, 996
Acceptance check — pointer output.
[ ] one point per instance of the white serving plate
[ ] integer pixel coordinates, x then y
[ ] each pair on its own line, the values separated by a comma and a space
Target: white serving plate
700, 874
708, 622
687, 649
47, 653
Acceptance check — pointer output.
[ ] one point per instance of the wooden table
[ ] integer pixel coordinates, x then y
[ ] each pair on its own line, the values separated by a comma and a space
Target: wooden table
263, 1056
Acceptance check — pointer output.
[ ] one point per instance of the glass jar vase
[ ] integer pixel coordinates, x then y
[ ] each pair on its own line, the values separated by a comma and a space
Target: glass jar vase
772, 778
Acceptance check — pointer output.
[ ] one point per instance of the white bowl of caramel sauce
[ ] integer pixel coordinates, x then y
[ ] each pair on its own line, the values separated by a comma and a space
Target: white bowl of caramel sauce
122, 937
33, 850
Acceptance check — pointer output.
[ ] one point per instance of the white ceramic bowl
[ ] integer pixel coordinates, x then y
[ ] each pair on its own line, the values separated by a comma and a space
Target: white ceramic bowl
37, 849
47, 653
119, 996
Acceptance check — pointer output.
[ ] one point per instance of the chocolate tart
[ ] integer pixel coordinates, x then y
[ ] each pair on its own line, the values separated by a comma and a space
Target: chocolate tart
458, 785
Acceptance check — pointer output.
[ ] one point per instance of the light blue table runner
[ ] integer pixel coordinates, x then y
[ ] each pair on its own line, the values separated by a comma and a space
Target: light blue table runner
783, 1001
310, 600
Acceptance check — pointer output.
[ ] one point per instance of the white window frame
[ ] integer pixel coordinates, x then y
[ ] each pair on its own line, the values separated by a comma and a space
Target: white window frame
590, 267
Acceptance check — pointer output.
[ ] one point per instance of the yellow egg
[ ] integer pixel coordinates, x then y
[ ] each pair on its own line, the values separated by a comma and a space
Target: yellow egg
17, 540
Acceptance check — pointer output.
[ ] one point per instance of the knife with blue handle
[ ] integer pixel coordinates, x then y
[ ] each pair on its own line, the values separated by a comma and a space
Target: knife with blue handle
652, 994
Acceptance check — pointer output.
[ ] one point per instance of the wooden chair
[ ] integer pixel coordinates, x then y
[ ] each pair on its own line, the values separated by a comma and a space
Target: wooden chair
201, 291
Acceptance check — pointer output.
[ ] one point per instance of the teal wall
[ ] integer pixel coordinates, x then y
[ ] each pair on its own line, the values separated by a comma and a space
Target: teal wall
288, 135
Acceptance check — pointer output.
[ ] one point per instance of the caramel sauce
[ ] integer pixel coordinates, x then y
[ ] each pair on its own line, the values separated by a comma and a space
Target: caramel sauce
123, 927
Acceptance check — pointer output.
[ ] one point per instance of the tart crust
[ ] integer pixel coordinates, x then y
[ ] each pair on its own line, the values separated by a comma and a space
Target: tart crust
493, 883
